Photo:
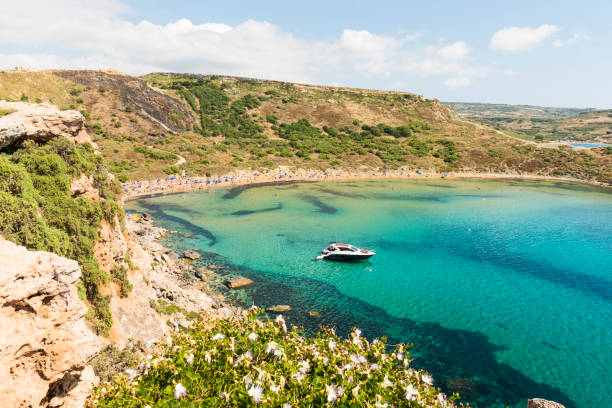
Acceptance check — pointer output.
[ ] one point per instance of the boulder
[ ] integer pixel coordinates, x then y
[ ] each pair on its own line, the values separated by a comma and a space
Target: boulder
314, 314
44, 343
542, 403
191, 254
238, 282
279, 308
41, 122
202, 273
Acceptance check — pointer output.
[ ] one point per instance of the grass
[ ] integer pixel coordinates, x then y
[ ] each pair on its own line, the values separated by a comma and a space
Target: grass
6, 112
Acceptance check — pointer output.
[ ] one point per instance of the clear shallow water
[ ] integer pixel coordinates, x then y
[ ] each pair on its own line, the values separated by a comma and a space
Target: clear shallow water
589, 145
505, 283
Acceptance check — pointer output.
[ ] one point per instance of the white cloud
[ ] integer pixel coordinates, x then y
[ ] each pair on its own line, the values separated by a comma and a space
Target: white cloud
457, 82
92, 35
521, 38
572, 40
456, 51
509, 72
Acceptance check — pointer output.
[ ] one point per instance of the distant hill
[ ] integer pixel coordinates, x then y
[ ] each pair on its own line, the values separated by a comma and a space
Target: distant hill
540, 123
496, 110
146, 126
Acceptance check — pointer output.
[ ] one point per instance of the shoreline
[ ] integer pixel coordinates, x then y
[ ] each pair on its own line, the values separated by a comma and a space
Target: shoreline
135, 189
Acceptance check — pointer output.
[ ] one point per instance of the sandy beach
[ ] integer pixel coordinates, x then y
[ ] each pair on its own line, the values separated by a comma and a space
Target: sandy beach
177, 184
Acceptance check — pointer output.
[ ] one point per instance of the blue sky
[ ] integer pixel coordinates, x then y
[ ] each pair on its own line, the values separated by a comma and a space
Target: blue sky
555, 53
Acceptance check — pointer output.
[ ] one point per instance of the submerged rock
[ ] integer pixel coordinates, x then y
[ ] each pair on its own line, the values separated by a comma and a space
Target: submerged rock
191, 254
314, 314
238, 282
279, 308
464, 386
542, 403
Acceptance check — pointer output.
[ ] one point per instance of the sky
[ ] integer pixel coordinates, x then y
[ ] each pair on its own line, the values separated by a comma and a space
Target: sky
551, 53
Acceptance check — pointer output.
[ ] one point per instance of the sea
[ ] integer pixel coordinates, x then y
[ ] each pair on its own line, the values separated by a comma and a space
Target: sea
504, 287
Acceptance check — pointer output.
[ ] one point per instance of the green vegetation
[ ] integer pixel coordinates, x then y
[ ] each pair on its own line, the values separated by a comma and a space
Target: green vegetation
155, 154
5, 112
248, 362
120, 277
38, 211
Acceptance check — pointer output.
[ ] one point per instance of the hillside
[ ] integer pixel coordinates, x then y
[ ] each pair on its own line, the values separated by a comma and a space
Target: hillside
217, 124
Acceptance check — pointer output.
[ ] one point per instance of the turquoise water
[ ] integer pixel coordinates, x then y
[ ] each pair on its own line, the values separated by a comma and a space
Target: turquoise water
505, 283
589, 145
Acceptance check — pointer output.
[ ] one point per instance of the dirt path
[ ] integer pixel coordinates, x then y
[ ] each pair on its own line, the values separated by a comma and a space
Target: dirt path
181, 159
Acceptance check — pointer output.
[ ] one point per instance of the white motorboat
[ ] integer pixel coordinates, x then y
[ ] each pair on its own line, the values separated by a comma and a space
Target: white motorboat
344, 252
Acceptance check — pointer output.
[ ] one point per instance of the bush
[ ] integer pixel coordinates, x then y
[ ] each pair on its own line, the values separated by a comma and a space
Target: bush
246, 362
38, 211
171, 170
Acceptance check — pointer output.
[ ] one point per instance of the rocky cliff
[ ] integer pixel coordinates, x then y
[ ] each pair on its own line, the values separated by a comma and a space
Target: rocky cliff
45, 343
40, 122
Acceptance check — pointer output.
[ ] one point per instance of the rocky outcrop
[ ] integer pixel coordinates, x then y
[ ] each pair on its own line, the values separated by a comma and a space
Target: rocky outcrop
84, 186
238, 282
40, 122
44, 344
542, 403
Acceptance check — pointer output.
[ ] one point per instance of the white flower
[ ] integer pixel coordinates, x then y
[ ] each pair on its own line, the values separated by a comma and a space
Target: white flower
275, 388
253, 337
271, 347
427, 379
333, 392
374, 367
207, 357
442, 400
279, 319
381, 405
256, 392
249, 354
286, 405
304, 367
150, 342
131, 373
358, 332
400, 356
189, 358
247, 380
218, 336
331, 345
411, 393
278, 353
386, 383
179, 391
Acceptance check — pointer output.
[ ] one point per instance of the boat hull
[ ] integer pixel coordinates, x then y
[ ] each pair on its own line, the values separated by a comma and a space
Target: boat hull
347, 258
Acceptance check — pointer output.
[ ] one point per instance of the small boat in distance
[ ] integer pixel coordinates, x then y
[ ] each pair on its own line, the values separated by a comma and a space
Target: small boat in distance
344, 252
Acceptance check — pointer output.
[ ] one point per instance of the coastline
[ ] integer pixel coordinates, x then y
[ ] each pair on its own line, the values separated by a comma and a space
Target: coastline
135, 189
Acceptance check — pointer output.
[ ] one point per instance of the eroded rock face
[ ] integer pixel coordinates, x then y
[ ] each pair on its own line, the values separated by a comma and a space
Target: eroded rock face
44, 341
111, 247
40, 122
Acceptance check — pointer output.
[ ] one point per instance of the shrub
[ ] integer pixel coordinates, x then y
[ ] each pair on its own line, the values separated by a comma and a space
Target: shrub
246, 362
171, 170
38, 211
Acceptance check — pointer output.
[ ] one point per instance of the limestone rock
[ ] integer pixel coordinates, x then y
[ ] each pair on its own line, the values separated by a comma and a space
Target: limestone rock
238, 282
542, 403
314, 314
44, 341
84, 186
111, 247
191, 254
40, 122
279, 308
